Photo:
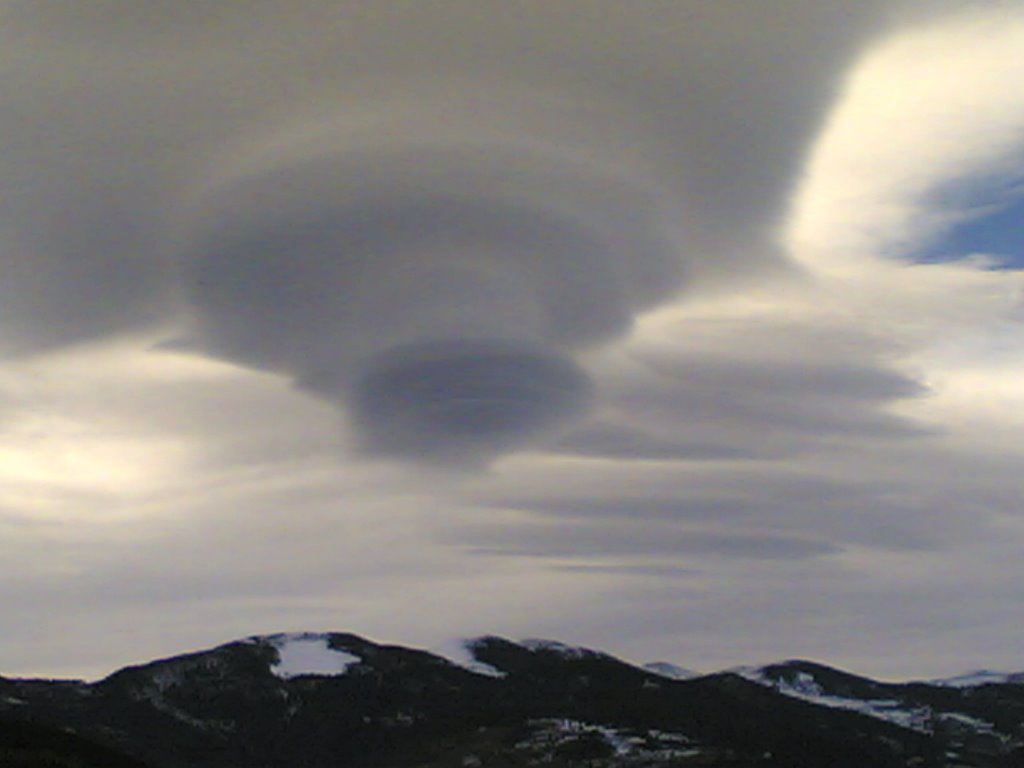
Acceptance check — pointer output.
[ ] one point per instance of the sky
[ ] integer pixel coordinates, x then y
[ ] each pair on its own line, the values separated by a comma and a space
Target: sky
687, 331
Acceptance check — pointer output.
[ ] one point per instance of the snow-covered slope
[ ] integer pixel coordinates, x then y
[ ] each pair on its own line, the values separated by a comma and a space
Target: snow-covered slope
460, 653
553, 646
308, 653
803, 685
671, 671
979, 677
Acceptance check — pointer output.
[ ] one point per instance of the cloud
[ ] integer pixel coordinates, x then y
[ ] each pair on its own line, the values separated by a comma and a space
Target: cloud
611, 440
393, 303
693, 515
633, 539
314, 209
441, 399
776, 373
634, 267
924, 126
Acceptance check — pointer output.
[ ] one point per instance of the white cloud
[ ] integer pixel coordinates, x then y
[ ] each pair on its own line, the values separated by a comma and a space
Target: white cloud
924, 108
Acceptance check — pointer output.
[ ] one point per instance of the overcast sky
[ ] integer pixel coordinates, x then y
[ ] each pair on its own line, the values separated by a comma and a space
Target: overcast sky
685, 330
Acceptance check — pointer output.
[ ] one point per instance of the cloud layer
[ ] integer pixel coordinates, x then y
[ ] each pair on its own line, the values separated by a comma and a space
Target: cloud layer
648, 269
438, 292
308, 209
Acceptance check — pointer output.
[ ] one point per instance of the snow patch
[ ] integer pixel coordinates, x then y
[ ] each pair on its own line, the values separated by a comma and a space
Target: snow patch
753, 674
974, 723
803, 686
566, 651
671, 671
978, 677
308, 654
460, 653
630, 747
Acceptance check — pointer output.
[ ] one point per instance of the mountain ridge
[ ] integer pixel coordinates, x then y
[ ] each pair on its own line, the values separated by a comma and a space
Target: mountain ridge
328, 698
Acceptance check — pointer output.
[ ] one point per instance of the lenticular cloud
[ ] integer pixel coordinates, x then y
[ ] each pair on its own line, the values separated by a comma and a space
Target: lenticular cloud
438, 285
380, 205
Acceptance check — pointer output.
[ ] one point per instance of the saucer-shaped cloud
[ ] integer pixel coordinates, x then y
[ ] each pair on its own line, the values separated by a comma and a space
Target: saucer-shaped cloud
440, 292
447, 399
312, 187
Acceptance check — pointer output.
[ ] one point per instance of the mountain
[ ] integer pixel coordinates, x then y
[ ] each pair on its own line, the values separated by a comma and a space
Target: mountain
24, 744
317, 700
671, 671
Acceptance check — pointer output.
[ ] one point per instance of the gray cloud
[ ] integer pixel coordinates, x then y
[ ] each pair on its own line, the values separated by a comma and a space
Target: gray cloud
367, 287
633, 538
626, 506
812, 396
447, 222
459, 398
655, 570
759, 387
742, 510
830, 517
311, 208
611, 440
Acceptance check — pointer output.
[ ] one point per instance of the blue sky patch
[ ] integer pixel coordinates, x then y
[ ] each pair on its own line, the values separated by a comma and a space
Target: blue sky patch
993, 226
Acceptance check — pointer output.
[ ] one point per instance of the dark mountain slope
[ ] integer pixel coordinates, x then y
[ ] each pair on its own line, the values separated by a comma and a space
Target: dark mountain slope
319, 701
24, 744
